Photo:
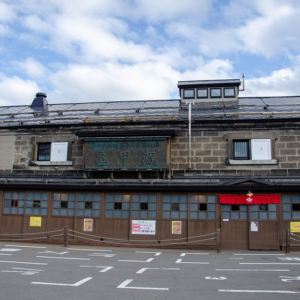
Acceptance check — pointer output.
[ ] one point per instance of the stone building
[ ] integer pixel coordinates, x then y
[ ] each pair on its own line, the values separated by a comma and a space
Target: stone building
154, 172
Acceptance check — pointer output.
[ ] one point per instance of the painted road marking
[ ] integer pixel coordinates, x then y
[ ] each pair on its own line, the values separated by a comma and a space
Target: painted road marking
88, 250
102, 254
148, 260
21, 262
259, 254
60, 253
64, 284
184, 254
74, 258
23, 271
236, 258
144, 269
255, 270
156, 253
5, 254
259, 291
9, 249
102, 271
215, 278
269, 263
289, 258
179, 261
289, 279
25, 246
124, 285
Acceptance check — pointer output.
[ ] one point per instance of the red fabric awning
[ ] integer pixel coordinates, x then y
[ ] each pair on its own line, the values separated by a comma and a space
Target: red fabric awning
245, 199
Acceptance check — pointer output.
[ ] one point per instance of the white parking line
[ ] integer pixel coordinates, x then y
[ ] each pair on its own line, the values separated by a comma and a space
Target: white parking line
5, 254
60, 253
184, 254
236, 258
259, 291
126, 282
254, 270
156, 253
144, 269
148, 260
102, 271
64, 284
73, 258
21, 262
76, 249
259, 254
179, 261
269, 263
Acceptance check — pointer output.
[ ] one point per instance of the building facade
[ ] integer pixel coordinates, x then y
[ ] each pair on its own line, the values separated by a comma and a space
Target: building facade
154, 173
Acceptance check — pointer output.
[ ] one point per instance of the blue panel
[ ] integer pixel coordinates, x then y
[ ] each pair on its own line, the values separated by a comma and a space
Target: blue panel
7, 202
36, 211
71, 212
211, 207
80, 205
225, 215
272, 207
97, 197
175, 199
263, 215
144, 214
44, 211
63, 212
29, 203
64, 197
125, 213
56, 196
28, 211
193, 199
152, 198
193, 215
80, 197
55, 212
235, 215
184, 199
202, 215
144, 198
109, 213
152, 206
254, 207
166, 215
183, 215
211, 215
273, 215
175, 214
244, 215
21, 203
152, 214
183, 207
211, 199
254, 215
243, 207
126, 198
72, 197
7, 195
287, 207
6, 210
194, 207
287, 199
118, 198
109, 206
80, 212
96, 205
30, 196
166, 198
126, 206
226, 207
37, 196
117, 213
295, 199
287, 215
166, 206
71, 205
136, 206
44, 203
44, 196
296, 215
88, 197
96, 213
110, 198
135, 214
88, 213
135, 198
21, 211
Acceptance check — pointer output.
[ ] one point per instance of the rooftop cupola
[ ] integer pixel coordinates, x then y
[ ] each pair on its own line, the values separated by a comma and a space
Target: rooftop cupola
39, 102
209, 91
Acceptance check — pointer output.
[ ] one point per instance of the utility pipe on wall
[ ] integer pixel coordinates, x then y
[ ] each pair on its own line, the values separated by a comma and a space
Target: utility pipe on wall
190, 133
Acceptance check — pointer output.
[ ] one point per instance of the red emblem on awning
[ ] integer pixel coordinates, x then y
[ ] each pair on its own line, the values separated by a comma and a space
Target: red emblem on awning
245, 199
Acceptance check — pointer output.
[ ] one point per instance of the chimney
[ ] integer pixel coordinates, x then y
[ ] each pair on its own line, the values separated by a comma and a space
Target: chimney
39, 102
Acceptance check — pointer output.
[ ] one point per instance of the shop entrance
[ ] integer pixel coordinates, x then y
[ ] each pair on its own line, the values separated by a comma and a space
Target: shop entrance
250, 227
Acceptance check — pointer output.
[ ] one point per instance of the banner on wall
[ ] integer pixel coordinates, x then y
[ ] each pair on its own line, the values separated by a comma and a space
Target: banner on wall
176, 227
295, 226
88, 225
249, 199
143, 227
36, 221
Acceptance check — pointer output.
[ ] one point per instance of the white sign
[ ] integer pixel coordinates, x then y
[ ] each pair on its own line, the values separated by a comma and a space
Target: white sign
143, 227
254, 226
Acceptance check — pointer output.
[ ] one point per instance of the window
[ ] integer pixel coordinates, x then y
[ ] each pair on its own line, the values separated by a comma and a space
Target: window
264, 212
118, 206
234, 212
175, 206
144, 206
64, 204
291, 207
88, 205
30, 203
215, 93
255, 149
202, 207
188, 93
52, 151
202, 93
229, 92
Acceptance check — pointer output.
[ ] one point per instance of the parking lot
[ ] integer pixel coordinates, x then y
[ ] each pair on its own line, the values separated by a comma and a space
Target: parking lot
37, 271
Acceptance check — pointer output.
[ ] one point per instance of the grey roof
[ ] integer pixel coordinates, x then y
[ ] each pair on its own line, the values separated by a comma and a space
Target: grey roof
209, 82
247, 108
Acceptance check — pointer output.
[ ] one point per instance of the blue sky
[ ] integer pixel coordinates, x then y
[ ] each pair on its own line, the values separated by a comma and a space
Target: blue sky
99, 50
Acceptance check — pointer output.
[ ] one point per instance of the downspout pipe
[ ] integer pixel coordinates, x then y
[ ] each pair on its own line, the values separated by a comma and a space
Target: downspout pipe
190, 133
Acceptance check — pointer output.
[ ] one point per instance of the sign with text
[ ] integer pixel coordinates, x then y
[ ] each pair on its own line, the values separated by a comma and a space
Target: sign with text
143, 227
139, 153
36, 221
176, 227
295, 226
254, 226
88, 225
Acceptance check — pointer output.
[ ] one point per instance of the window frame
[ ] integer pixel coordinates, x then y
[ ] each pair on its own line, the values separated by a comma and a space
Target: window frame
210, 92
185, 97
202, 97
229, 88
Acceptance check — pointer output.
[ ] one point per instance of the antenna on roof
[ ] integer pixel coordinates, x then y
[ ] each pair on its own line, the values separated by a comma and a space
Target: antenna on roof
243, 83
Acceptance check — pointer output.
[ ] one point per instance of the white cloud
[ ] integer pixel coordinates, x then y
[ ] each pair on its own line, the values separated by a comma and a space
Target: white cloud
32, 68
16, 91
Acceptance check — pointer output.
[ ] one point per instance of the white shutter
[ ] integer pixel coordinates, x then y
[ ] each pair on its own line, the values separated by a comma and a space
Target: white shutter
59, 151
261, 149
